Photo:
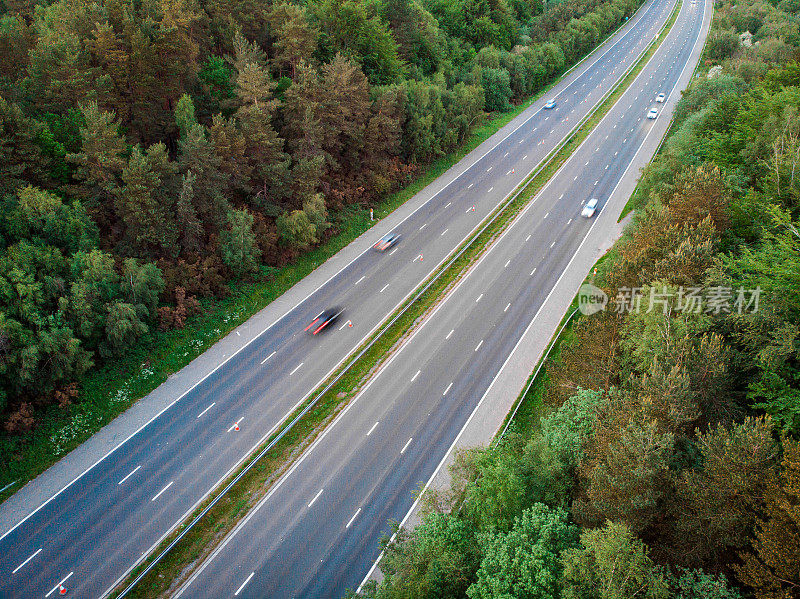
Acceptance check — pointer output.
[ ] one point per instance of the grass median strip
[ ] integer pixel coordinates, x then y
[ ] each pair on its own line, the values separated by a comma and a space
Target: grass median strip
177, 565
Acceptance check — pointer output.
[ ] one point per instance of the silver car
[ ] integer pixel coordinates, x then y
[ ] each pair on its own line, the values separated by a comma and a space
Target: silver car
590, 208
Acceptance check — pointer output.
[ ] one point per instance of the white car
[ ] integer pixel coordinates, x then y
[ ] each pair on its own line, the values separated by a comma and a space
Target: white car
660, 97
590, 208
550, 104
652, 114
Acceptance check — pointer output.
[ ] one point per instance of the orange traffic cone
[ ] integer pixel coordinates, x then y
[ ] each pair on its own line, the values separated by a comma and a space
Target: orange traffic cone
62, 590
512, 171
350, 323
236, 426
473, 208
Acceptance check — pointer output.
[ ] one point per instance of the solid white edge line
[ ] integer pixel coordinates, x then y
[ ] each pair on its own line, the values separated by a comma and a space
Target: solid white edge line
315, 497
157, 495
402, 451
239, 590
18, 568
207, 409
369, 432
358, 511
55, 588
131, 473
475, 410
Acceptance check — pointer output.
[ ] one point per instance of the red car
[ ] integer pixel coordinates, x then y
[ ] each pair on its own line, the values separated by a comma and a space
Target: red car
323, 319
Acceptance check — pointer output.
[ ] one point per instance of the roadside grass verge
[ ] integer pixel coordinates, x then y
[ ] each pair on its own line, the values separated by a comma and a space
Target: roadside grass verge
177, 565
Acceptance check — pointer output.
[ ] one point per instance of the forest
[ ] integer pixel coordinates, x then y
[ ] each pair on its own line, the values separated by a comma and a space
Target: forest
665, 459
154, 152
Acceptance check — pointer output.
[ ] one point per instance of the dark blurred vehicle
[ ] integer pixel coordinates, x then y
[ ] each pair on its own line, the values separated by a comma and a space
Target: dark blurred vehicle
323, 319
387, 241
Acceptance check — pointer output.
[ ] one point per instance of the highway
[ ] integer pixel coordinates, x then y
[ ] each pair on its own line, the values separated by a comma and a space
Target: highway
317, 532
97, 528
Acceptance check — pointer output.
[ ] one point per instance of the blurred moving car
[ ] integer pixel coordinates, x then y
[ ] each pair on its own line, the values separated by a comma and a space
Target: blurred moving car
387, 241
590, 208
660, 97
550, 104
323, 319
652, 114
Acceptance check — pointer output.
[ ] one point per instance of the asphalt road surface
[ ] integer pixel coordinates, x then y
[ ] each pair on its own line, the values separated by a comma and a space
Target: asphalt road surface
96, 529
317, 532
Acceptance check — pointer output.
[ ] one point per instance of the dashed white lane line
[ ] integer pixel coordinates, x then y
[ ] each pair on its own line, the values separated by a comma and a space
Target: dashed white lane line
423, 226
527, 238
296, 368
393, 251
443, 232
507, 307
448, 204
450, 333
446, 390
596, 182
315, 498
17, 569
239, 590
204, 411
361, 279
132, 472
506, 155
507, 263
402, 451
470, 186
55, 588
369, 432
344, 325
157, 495
552, 244
384, 288
490, 168
533, 271
606, 167
525, 157
268, 357
546, 215
413, 378
477, 347
561, 196
490, 189
479, 298
358, 511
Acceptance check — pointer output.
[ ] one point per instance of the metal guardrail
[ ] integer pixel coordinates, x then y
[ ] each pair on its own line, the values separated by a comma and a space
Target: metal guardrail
491, 219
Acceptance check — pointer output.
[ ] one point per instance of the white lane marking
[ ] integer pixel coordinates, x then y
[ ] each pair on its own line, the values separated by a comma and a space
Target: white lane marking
344, 325
606, 167
546, 215
446, 390
296, 368
423, 226
525, 157
369, 432
552, 244
55, 588
596, 182
470, 186
402, 451
617, 152
490, 189
268, 357
506, 154
527, 238
443, 232
490, 168
132, 472
576, 178
507, 263
361, 279
239, 590
207, 409
521, 141
448, 203
358, 511
587, 163
17, 569
533, 271
413, 378
479, 298
315, 498
561, 196
157, 495
450, 333
507, 307
477, 347
393, 251
384, 288
569, 221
